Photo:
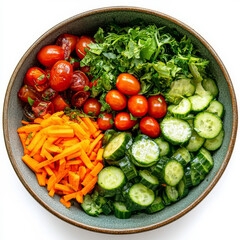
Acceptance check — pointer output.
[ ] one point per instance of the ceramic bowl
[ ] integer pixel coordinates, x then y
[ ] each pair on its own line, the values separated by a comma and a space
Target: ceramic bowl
87, 23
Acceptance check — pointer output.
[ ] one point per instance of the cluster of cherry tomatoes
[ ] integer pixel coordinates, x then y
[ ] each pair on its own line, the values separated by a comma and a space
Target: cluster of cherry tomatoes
60, 82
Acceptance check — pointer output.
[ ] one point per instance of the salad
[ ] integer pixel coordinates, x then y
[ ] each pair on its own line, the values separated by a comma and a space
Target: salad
122, 122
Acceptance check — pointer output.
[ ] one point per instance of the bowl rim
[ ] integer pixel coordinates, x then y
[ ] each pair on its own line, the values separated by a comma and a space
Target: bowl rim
210, 185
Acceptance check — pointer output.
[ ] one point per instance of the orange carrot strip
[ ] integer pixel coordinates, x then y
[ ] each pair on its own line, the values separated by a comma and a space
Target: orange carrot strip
65, 203
87, 179
89, 186
96, 134
79, 197
85, 144
52, 192
38, 146
93, 156
74, 155
23, 137
46, 154
74, 180
98, 146
53, 148
46, 116
35, 141
30, 137
51, 182
100, 154
53, 120
29, 128
84, 157
69, 143
49, 170
78, 131
91, 127
97, 169
95, 125
41, 179
62, 187
69, 196
25, 122
82, 124
38, 120
82, 172
94, 143
73, 162
32, 163
60, 133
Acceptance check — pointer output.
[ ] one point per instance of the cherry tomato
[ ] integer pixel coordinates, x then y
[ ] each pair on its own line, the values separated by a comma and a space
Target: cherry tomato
41, 108
86, 69
42, 87
92, 107
75, 62
25, 92
116, 100
79, 98
123, 121
50, 54
150, 127
82, 44
61, 75
59, 103
79, 81
49, 94
35, 75
105, 121
68, 43
157, 107
138, 105
128, 84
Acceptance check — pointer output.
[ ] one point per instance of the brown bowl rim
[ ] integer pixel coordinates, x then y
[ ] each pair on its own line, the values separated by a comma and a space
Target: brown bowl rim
211, 184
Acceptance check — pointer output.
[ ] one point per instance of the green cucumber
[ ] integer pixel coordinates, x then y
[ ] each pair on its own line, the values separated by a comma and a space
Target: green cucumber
195, 142
121, 211
163, 145
148, 179
216, 107
182, 155
156, 206
182, 109
128, 168
215, 143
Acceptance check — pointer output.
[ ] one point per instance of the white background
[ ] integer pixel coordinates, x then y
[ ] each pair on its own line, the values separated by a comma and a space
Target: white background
22, 22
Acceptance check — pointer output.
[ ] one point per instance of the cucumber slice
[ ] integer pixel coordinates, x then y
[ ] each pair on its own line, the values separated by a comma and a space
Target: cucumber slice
182, 155
107, 136
193, 177
128, 168
173, 172
163, 146
121, 211
207, 125
211, 86
157, 170
90, 207
199, 103
194, 71
172, 193
117, 147
165, 198
215, 143
144, 152
176, 131
216, 107
182, 188
147, 179
110, 181
195, 142
156, 206
182, 109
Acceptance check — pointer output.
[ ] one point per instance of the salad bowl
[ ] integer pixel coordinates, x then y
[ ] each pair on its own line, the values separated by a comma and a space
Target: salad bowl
87, 23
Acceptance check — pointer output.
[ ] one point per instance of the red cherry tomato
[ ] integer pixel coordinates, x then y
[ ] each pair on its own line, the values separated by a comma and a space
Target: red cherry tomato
86, 69
150, 127
79, 81
59, 103
92, 107
105, 121
116, 100
61, 75
68, 43
41, 108
82, 44
25, 92
123, 121
50, 54
138, 105
35, 75
75, 62
49, 94
79, 98
128, 84
157, 107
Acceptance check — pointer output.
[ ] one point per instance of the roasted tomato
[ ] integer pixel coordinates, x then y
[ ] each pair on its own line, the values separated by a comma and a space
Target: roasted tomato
61, 75
25, 92
79, 98
123, 121
92, 107
150, 127
68, 43
157, 106
82, 44
50, 54
79, 81
86, 70
59, 103
35, 76
116, 100
41, 108
105, 121
138, 105
49, 94
128, 84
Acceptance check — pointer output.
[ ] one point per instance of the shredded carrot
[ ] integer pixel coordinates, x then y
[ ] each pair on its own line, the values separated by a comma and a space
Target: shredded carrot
100, 154
90, 185
97, 169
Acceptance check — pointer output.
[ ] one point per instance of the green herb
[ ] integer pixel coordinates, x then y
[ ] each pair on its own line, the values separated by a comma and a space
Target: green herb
133, 118
30, 101
41, 77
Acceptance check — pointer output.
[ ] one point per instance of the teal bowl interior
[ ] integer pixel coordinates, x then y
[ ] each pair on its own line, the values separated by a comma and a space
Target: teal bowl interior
87, 23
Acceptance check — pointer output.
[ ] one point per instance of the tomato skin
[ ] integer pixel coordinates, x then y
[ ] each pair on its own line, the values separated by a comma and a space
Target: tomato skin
138, 105
79, 98
92, 107
61, 75
59, 103
41, 108
49, 94
116, 100
157, 106
79, 81
75, 62
128, 84
123, 121
50, 54
82, 44
150, 127
25, 92
68, 43
105, 121
35, 75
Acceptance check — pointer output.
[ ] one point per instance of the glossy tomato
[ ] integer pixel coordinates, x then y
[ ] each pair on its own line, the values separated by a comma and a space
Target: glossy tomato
59, 103
41, 108
157, 106
79, 98
49, 94
105, 121
79, 81
92, 107
26, 92
68, 43
82, 44
138, 105
150, 127
35, 76
128, 84
50, 54
116, 100
61, 75
123, 121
